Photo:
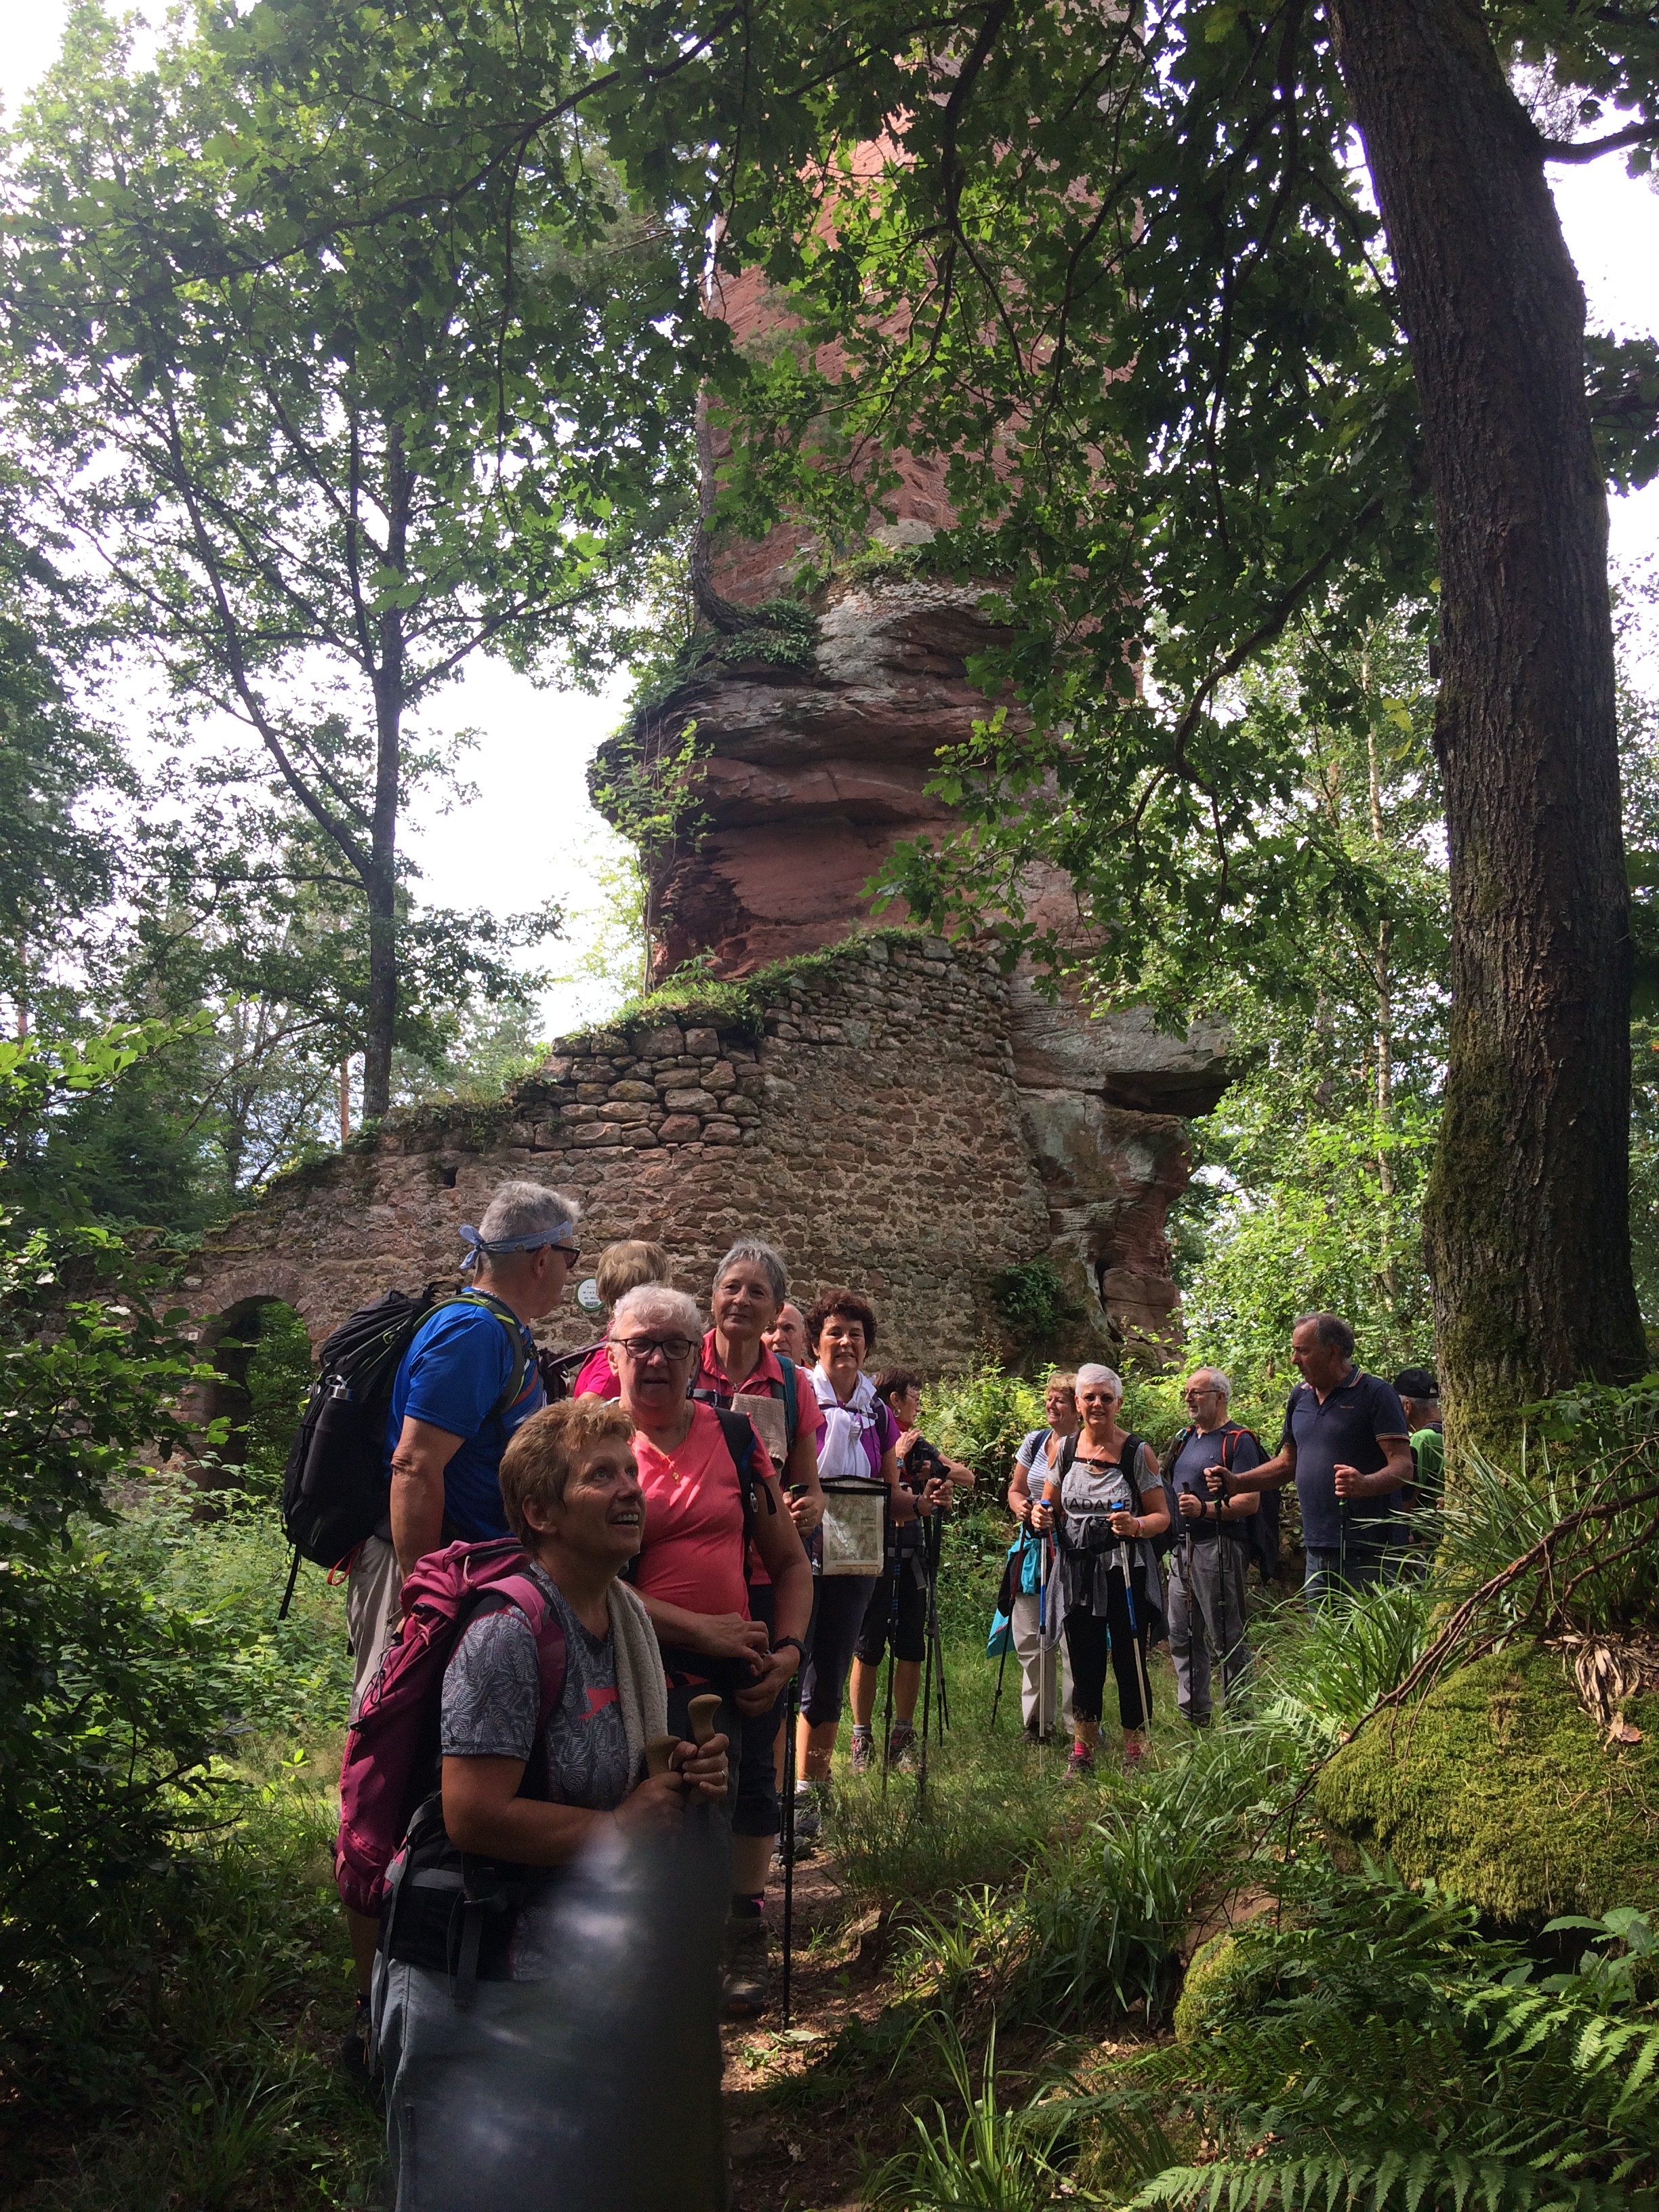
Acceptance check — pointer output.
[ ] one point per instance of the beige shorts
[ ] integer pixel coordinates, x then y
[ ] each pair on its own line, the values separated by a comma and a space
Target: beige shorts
374, 1609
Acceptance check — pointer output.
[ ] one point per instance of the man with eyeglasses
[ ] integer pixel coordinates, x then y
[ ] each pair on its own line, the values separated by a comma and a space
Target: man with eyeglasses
1210, 1535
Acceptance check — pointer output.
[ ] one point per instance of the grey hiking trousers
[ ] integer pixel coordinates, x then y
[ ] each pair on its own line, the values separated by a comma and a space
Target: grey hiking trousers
1207, 1604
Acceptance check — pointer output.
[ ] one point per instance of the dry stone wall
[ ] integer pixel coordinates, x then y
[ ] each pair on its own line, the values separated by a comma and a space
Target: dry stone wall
868, 1121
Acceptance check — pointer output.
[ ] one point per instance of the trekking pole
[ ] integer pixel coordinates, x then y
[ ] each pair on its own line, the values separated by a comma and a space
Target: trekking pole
791, 1711
1014, 1596
935, 1540
927, 1693
292, 1577
892, 1654
1044, 1718
1135, 1637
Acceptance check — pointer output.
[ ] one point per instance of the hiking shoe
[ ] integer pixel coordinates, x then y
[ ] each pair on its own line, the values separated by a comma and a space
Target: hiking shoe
861, 1754
811, 1801
902, 1751
1032, 1733
1135, 1751
1080, 1766
748, 1974
352, 2060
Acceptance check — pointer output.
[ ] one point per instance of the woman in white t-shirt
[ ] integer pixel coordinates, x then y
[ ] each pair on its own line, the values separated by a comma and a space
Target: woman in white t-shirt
1041, 1654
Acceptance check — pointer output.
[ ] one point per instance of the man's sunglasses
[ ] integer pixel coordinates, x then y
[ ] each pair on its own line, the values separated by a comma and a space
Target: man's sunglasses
672, 1348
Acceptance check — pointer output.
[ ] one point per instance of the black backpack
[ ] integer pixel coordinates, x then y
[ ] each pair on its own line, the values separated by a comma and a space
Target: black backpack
561, 1369
334, 1487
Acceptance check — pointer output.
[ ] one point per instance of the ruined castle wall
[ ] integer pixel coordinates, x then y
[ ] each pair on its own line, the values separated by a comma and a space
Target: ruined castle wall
870, 1126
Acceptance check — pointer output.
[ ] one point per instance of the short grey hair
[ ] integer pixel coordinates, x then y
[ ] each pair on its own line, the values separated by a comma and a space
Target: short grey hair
525, 1209
1331, 1329
657, 1301
1092, 1376
1223, 1383
751, 1252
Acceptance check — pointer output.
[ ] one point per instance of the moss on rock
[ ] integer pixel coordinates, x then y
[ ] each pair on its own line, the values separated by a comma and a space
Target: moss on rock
1209, 1972
1499, 1788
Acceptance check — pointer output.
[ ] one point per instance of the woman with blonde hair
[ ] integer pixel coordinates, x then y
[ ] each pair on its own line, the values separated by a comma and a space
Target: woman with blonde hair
624, 1267
1045, 1671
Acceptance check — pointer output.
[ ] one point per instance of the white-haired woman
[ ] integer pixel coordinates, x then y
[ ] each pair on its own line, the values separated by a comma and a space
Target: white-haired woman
1111, 1505
710, 1495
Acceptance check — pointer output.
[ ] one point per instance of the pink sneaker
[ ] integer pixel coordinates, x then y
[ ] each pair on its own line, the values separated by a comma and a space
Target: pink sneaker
1135, 1752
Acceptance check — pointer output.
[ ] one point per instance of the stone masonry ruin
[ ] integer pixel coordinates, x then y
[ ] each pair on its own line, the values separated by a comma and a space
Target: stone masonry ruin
882, 1112
888, 1109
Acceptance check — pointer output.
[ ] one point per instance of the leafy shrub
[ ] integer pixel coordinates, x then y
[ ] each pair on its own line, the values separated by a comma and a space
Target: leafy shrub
113, 1702
980, 1418
1033, 1304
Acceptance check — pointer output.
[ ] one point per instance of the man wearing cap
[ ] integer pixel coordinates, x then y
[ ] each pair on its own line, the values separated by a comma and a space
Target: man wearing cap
1420, 1394
467, 1382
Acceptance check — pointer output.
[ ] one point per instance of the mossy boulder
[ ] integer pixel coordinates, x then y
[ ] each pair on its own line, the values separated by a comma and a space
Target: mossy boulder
1209, 1974
1499, 1788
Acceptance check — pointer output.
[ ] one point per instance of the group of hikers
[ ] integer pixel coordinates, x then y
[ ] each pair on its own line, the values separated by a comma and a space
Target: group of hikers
1120, 1548
622, 1571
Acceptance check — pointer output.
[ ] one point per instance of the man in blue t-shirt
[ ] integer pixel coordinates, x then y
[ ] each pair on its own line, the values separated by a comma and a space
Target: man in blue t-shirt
1346, 1446
467, 1381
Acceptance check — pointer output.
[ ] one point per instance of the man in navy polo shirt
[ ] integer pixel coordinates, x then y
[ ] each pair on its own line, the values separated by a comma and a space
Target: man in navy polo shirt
1346, 1446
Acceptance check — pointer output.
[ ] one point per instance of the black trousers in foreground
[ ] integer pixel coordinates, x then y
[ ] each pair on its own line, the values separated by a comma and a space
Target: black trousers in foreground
1092, 1644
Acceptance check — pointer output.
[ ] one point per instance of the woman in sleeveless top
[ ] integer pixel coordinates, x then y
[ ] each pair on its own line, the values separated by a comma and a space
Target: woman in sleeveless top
1111, 1502
861, 1440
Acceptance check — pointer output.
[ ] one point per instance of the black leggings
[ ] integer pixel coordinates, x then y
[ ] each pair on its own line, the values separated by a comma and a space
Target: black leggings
909, 1629
1091, 1643
839, 1602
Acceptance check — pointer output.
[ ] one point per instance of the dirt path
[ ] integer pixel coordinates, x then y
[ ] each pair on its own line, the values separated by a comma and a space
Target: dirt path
801, 2133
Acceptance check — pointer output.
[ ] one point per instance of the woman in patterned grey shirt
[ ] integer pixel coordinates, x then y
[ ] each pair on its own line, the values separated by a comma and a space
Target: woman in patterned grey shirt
572, 1495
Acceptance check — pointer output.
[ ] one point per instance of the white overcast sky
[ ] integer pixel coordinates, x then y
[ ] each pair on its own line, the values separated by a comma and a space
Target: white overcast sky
531, 833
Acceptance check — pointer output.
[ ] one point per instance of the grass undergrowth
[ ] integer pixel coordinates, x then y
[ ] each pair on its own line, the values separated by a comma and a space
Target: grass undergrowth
175, 2056
1349, 2039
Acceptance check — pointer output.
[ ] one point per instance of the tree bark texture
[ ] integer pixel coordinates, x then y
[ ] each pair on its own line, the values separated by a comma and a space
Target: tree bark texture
381, 887
1527, 1222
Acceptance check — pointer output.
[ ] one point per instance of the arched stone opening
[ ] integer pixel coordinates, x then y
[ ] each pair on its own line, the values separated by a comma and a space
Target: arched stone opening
260, 1348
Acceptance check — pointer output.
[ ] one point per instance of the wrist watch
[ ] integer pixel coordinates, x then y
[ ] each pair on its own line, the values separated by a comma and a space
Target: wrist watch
779, 1643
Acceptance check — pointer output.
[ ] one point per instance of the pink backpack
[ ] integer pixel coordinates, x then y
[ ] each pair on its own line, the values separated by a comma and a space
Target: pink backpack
392, 1748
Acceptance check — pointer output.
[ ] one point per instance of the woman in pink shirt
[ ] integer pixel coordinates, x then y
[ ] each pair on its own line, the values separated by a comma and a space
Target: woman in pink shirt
692, 1571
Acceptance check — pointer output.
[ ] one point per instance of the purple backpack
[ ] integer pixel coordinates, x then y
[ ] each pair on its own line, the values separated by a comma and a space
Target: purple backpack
392, 1748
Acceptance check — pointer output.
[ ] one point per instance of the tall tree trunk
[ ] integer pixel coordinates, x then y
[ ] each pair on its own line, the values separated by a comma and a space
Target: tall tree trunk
1526, 1220
381, 888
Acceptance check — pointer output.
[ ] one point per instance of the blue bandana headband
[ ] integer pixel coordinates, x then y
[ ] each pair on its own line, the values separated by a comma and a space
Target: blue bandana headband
479, 1247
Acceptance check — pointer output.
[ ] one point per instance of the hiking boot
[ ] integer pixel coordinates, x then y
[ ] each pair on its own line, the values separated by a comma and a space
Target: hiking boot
812, 1802
902, 1751
1032, 1733
748, 1976
352, 2060
861, 1753
1080, 1766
